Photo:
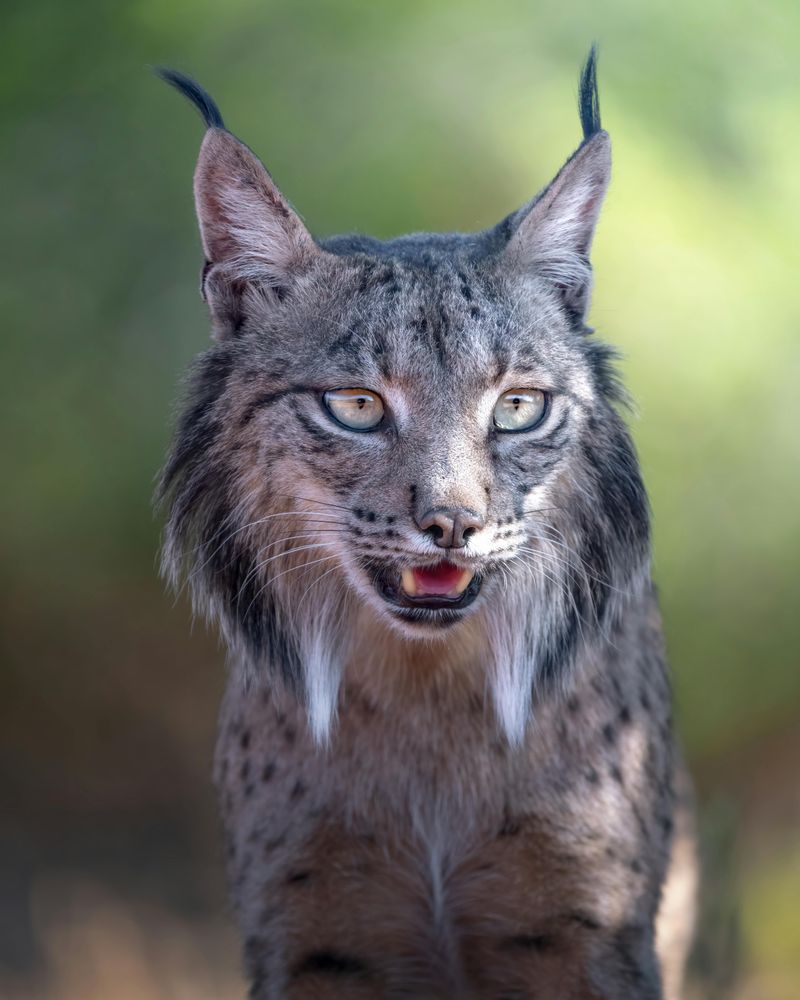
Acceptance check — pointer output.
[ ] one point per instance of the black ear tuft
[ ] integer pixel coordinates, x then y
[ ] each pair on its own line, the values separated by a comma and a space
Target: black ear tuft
195, 93
588, 101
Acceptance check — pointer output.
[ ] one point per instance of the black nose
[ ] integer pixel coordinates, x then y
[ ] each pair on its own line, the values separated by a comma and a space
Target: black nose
450, 529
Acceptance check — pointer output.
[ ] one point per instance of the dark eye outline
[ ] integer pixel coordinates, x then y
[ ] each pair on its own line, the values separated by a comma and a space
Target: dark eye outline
531, 427
339, 423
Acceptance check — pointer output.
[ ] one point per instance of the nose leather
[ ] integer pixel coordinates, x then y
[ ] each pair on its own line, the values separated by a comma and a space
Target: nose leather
450, 528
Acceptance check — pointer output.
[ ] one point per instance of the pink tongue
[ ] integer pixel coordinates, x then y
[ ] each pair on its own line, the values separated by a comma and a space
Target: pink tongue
439, 579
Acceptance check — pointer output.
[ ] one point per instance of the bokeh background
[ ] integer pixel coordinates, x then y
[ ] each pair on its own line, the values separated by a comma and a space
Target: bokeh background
379, 117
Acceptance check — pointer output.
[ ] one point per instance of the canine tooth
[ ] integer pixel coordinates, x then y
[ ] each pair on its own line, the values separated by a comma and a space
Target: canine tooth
409, 582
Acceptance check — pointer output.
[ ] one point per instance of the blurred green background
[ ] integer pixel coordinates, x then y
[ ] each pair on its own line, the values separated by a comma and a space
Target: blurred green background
379, 117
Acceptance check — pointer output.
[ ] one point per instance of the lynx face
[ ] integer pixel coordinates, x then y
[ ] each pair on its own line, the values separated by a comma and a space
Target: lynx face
432, 416
420, 430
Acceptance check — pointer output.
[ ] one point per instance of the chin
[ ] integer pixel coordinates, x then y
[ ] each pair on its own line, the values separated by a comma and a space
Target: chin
422, 624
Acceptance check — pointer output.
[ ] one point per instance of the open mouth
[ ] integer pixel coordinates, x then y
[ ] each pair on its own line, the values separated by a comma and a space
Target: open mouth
444, 580
441, 587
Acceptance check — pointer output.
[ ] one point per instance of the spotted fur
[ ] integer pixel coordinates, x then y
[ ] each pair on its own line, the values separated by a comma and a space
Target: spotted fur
428, 804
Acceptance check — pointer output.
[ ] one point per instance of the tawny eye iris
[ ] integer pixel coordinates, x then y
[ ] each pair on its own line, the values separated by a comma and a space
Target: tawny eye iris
358, 409
520, 409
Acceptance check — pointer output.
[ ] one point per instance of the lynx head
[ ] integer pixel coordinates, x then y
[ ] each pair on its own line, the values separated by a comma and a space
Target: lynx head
419, 430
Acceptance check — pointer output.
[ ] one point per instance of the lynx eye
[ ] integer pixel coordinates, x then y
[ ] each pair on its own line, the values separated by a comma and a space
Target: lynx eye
520, 409
358, 409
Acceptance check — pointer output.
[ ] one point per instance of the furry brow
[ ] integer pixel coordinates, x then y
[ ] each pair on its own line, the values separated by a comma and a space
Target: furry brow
202, 100
588, 100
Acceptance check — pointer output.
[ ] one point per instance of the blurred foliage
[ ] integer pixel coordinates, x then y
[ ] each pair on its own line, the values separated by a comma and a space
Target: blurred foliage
384, 118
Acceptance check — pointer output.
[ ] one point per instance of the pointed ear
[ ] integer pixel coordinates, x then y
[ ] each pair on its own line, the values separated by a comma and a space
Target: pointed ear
246, 224
255, 244
250, 233
552, 235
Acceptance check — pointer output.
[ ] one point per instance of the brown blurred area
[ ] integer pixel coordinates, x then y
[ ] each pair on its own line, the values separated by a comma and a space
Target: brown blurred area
110, 863
383, 119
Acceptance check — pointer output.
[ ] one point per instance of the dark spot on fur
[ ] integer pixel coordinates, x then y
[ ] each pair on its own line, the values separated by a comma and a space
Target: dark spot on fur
370, 516
591, 776
510, 827
344, 343
268, 771
274, 843
248, 789
366, 706
297, 792
624, 715
583, 920
474, 312
329, 962
295, 878
290, 735
609, 733
616, 774
529, 942
244, 739
366, 275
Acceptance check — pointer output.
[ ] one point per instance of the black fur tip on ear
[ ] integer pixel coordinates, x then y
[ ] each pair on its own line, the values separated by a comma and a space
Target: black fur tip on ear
195, 93
588, 101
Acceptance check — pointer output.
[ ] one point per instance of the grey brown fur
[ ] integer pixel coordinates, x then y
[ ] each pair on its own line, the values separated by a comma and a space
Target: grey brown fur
472, 802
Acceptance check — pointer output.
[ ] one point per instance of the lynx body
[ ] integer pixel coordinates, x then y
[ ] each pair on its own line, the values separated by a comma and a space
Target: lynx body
401, 486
